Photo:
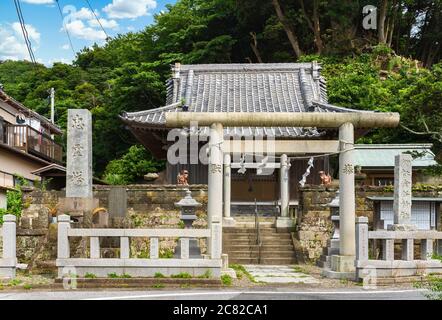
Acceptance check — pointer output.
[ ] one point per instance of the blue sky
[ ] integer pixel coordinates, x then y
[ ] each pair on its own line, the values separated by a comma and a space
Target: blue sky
46, 28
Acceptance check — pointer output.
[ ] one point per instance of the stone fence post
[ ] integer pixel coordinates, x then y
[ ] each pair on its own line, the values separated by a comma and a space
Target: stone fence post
9, 261
64, 223
362, 239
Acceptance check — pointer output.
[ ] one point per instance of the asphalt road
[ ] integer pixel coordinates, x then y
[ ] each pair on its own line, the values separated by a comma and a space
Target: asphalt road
200, 294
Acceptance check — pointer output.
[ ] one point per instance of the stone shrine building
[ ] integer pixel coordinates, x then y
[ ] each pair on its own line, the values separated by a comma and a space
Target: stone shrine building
231, 88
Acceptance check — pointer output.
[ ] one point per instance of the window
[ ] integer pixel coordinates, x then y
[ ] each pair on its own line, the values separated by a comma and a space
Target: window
423, 214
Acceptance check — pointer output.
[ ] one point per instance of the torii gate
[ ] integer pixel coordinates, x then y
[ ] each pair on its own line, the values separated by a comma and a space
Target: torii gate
345, 121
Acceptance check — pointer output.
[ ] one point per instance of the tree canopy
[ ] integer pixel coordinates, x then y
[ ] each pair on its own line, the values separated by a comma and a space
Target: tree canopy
394, 68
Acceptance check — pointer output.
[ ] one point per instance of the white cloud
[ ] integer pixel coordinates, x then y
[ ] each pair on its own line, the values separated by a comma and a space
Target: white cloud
65, 47
123, 9
83, 24
38, 1
107, 24
83, 14
12, 44
32, 32
79, 30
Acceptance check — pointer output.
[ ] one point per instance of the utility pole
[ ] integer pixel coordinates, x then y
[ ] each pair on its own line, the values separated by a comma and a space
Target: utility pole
52, 92
53, 105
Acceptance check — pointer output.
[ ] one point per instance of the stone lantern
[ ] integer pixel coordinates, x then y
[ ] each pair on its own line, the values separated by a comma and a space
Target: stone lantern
333, 244
188, 207
334, 208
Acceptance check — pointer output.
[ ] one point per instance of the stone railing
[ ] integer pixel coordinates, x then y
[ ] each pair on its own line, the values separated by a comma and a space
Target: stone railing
101, 267
8, 261
388, 266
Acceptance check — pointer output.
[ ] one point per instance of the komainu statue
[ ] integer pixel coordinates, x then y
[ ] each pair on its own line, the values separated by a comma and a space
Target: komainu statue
182, 178
326, 179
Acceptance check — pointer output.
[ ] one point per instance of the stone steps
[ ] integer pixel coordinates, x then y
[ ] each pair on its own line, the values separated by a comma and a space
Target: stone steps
264, 254
248, 230
264, 237
240, 245
264, 247
267, 261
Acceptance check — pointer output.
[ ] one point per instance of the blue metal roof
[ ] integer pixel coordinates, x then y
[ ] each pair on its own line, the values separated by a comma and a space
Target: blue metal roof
382, 155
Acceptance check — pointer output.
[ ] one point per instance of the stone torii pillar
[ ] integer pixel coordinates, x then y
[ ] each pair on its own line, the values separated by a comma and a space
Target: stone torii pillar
215, 190
284, 220
227, 219
344, 262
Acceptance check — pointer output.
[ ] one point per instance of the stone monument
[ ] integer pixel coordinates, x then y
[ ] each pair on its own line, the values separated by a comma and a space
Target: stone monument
79, 197
402, 193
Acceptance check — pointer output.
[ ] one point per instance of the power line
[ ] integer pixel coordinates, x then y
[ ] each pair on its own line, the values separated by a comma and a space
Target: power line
64, 27
24, 30
98, 20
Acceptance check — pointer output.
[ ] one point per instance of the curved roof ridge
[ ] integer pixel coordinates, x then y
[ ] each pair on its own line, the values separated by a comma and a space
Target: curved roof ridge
332, 107
149, 111
247, 66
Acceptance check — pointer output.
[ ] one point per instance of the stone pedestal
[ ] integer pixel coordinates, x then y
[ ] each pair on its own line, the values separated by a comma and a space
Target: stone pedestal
225, 267
228, 222
285, 223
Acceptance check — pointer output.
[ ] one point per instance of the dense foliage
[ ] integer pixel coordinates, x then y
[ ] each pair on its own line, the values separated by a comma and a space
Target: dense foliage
365, 69
131, 166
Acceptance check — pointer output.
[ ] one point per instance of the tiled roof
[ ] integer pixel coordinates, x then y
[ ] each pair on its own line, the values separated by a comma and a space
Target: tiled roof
382, 155
275, 87
17, 105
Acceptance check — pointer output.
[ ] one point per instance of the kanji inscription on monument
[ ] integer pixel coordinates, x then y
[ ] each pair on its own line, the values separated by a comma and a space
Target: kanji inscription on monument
402, 189
79, 154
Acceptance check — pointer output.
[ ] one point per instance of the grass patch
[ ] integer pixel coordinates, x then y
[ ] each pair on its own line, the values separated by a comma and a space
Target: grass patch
300, 269
182, 275
436, 256
241, 271
433, 283
158, 275
14, 282
27, 286
185, 285
114, 275
158, 285
226, 280
206, 275
90, 275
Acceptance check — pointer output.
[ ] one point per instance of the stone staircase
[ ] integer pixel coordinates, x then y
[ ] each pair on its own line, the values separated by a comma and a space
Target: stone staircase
239, 243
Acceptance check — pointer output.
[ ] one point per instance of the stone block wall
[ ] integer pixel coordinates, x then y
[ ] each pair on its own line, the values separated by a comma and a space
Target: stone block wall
147, 206
314, 226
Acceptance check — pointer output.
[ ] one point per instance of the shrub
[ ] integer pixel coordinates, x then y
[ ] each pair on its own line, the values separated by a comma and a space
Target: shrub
182, 275
131, 166
90, 275
158, 275
226, 280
